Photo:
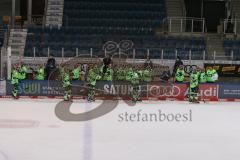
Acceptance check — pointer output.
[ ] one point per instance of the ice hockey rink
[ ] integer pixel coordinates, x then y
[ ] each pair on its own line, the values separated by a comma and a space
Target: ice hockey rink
30, 130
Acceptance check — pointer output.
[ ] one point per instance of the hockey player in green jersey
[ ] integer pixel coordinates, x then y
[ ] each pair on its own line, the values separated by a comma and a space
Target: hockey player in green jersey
66, 84
202, 76
140, 73
76, 72
194, 86
147, 75
135, 81
107, 73
92, 77
180, 74
40, 73
212, 75
120, 74
129, 72
15, 77
198, 70
23, 72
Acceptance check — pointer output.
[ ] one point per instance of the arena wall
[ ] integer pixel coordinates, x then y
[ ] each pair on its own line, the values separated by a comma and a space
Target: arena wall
122, 90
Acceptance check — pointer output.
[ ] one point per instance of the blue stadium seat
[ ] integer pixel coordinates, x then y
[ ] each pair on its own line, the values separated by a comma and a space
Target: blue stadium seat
232, 46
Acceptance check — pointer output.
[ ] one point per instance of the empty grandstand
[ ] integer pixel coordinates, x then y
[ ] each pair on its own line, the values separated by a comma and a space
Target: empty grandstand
90, 24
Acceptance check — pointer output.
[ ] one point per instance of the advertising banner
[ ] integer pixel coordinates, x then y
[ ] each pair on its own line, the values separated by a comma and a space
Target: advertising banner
43, 88
118, 89
208, 91
161, 91
231, 91
79, 88
112, 89
180, 91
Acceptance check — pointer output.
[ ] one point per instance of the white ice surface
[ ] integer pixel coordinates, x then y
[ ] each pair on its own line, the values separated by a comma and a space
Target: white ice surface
213, 134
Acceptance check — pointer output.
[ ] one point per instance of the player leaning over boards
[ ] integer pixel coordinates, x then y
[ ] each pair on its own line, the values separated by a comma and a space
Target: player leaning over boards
140, 73
128, 73
92, 77
147, 74
64, 72
212, 75
120, 73
107, 72
194, 86
40, 73
23, 71
15, 81
202, 76
135, 81
76, 72
180, 74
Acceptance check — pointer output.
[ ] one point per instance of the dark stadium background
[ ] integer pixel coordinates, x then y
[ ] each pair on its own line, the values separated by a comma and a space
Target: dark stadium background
194, 8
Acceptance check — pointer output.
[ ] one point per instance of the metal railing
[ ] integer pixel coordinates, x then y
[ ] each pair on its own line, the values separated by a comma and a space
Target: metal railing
231, 26
184, 24
138, 53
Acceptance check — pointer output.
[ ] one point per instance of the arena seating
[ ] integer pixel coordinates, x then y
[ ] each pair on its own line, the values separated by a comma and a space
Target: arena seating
90, 24
120, 17
232, 46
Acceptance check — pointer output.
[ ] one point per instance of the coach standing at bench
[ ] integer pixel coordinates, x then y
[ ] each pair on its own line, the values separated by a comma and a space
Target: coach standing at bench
178, 63
50, 67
